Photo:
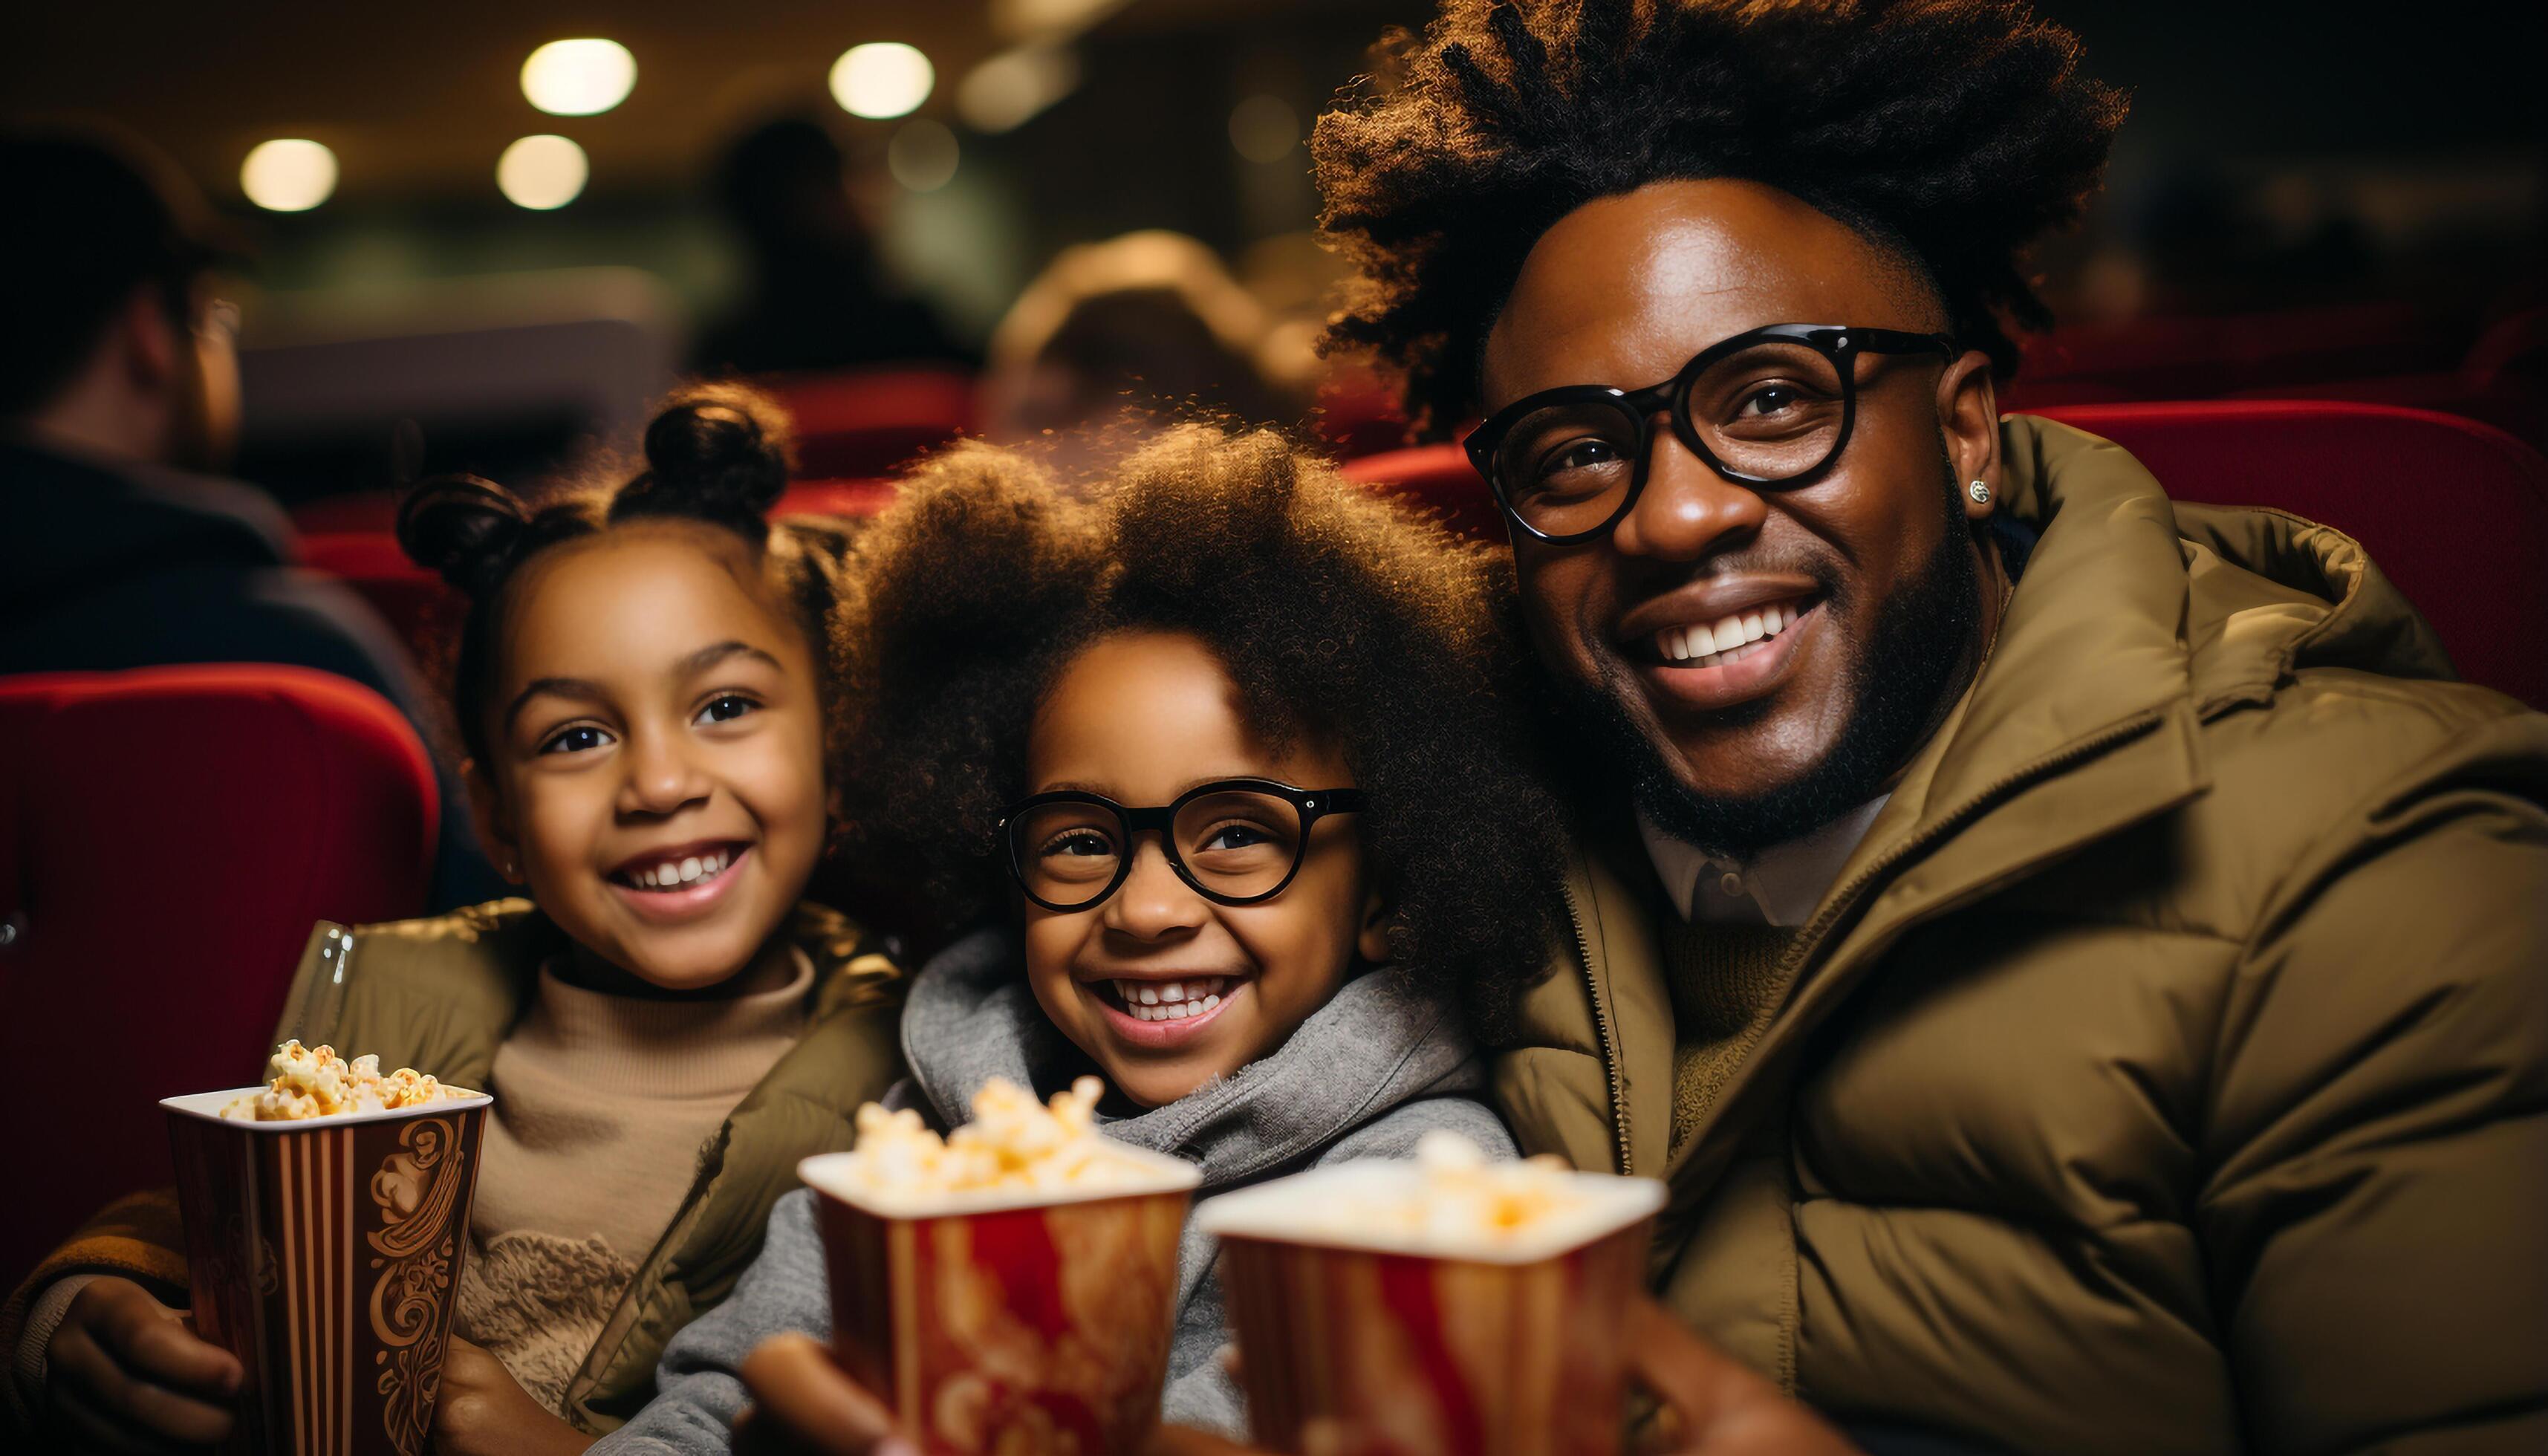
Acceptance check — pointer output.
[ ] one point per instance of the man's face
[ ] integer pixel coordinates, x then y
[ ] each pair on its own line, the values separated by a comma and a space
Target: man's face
1866, 567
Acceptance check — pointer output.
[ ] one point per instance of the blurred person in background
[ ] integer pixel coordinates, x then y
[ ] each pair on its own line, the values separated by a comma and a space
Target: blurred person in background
1115, 338
119, 382
820, 296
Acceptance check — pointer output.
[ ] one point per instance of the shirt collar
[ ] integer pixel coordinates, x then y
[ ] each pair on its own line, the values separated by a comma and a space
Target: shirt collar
1780, 885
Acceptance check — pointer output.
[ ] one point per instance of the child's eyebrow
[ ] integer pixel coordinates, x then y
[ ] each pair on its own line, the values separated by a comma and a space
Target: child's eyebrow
575, 687
710, 655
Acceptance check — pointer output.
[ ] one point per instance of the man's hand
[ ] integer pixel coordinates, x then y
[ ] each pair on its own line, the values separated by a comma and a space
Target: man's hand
1720, 1407
482, 1411
126, 1372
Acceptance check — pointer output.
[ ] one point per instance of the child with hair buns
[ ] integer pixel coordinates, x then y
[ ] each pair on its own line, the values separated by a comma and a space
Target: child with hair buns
644, 684
1224, 750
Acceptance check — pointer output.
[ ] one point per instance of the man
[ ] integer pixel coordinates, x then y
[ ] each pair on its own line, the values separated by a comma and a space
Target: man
2079, 964
117, 379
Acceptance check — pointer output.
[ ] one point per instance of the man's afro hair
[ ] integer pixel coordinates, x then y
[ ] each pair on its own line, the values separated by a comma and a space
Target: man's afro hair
1953, 131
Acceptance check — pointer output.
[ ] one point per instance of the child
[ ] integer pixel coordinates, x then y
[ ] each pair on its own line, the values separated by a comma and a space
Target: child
1222, 749
643, 683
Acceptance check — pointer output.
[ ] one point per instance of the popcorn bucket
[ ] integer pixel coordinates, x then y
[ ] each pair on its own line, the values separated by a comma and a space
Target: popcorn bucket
1354, 1345
999, 1322
325, 1253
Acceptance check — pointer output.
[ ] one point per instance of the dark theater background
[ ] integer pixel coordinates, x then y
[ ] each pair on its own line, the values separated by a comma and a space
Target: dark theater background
2320, 244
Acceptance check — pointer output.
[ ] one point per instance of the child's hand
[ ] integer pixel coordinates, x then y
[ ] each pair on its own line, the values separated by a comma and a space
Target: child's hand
123, 1372
483, 1409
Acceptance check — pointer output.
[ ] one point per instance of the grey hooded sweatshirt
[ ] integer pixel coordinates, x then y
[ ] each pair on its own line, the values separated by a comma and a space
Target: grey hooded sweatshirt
1382, 1063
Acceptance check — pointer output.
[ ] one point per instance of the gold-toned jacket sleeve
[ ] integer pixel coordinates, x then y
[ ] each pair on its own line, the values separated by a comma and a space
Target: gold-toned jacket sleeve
2378, 1127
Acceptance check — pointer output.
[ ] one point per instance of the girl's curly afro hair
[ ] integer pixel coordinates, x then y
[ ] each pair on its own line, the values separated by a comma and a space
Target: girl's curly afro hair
1334, 612
1954, 133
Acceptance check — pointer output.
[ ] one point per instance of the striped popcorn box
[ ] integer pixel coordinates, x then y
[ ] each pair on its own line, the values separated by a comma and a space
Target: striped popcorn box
1363, 1334
324, 1254
1005, 1321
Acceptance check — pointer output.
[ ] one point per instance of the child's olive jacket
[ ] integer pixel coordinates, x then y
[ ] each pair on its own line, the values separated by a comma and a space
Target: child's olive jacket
441, 994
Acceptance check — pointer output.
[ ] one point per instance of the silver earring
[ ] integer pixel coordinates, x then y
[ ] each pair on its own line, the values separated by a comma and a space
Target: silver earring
1979, 492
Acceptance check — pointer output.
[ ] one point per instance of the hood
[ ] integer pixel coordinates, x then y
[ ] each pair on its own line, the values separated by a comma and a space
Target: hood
1382, 1039
72, 527
2261, 592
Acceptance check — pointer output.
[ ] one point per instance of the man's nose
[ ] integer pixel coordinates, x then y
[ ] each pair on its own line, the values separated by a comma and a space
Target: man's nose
1153, 901
1687, 511
661, 776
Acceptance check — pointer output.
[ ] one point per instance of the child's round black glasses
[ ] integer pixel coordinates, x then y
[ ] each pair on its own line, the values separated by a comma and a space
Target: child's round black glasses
1235, 841
1771, 406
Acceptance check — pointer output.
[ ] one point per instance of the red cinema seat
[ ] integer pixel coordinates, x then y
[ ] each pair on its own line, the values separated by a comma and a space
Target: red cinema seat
1437, 478
354, 512
167, 838
418, 605
858, 498
869, 422
2454, 512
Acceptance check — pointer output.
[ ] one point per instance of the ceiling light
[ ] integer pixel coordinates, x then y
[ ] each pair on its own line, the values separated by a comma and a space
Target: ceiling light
882, 79
921, 155
1264, 128
288, 175
1003, 92
542, 172
579, 79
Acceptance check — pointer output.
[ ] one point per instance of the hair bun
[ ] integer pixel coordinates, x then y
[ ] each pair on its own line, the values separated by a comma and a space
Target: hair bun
462, 528
714, 452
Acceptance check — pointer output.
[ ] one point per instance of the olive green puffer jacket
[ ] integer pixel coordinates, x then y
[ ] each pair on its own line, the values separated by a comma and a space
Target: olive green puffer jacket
2168, 1069
442, 993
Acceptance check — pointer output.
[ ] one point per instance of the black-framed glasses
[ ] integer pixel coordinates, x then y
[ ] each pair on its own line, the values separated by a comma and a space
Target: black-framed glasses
1235, 841
1770, 407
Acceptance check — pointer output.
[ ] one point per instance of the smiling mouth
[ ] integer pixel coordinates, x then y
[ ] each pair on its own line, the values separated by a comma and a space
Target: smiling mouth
1179, 1000
682, 872
1729, 639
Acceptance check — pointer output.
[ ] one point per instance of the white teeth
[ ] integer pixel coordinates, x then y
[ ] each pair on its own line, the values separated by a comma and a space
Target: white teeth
668, 872
690, 871
1728, 641
1170, 1000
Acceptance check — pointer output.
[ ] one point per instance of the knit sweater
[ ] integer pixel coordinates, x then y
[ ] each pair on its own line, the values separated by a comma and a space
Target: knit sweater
1725, 981
602, 1104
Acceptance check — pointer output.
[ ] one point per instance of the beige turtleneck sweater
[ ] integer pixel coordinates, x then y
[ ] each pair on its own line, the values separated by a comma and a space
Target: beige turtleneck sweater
602, 1105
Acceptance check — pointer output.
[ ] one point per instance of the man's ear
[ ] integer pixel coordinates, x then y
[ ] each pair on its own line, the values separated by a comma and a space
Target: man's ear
1969, 414
1371, 942
495, 823
147, 339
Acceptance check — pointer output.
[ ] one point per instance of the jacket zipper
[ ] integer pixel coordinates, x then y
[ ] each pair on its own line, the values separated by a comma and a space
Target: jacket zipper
1820, 926
1600, 1026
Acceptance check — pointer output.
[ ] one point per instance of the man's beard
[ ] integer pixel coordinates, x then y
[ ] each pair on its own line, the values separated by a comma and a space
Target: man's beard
1898, 689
